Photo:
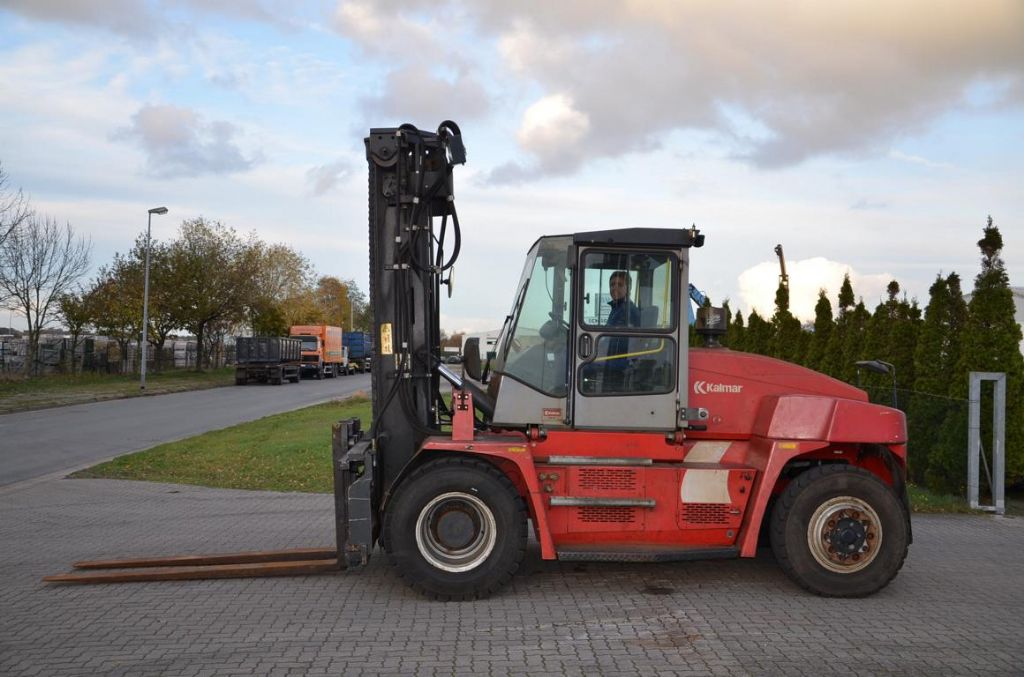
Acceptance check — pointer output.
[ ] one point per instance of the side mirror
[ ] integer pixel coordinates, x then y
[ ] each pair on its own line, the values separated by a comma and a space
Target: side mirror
471, 358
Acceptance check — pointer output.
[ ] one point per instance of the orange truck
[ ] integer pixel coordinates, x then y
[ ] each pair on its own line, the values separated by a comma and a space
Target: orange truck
322, 352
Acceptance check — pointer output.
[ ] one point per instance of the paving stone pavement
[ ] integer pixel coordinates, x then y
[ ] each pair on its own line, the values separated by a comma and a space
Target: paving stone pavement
956, 608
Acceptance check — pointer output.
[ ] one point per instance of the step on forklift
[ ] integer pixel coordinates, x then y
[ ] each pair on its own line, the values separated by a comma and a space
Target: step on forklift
592, 423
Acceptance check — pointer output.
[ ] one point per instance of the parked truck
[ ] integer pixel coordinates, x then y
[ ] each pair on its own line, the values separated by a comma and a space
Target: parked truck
360, 350
604, 433
323, 354
266, 359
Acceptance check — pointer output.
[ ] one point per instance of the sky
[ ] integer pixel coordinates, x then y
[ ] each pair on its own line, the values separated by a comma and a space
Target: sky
867, 137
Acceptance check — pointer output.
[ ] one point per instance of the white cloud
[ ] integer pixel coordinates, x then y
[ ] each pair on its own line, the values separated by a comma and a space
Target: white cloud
379, 31
178, 142
808, 80
549, 125
327, 177
918, 160
757, 285
413, 92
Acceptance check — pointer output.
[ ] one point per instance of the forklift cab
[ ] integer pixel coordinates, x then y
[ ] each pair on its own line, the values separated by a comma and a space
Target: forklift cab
594, 339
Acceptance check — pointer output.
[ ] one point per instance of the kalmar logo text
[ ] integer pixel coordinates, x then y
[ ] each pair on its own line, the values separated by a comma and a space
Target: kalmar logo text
705, 388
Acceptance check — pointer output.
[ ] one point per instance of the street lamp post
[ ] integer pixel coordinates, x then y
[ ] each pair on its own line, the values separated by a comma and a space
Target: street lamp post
145, 296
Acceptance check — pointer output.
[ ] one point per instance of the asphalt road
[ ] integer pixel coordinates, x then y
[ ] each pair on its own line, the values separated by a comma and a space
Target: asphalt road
39, 444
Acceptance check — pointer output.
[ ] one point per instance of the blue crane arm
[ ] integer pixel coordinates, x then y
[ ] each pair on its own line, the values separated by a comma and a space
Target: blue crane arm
698, 297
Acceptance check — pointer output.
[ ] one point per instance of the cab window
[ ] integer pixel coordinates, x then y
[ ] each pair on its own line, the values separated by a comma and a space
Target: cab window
630, 365
628, 291
536, 353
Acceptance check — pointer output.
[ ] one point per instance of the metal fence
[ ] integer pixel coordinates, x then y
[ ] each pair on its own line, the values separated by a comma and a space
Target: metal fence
105, 356
937, 427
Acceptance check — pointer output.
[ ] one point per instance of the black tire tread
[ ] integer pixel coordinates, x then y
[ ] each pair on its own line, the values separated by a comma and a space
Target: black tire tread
784, 505
505, 576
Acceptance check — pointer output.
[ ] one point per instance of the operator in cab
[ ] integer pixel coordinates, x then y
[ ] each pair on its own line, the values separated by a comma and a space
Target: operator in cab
624, 313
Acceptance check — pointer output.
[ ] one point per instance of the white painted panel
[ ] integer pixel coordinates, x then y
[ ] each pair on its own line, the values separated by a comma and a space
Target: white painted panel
708, 452
705, 486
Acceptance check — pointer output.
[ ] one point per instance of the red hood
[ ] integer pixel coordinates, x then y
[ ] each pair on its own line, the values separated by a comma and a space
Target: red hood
783, 377
731, 386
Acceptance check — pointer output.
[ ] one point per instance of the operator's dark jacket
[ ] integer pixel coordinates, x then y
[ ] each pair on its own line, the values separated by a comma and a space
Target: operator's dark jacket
624, 313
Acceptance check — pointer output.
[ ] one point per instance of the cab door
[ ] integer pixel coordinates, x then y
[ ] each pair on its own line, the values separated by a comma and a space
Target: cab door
627, 347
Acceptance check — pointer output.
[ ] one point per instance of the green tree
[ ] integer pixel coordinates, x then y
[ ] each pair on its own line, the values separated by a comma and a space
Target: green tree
737, 332
281, 289
824, 325
333, 298
75, 312
759, 334
726, 339
933, 363
215, 276
891, 336
832, 362
163, 293
786, 342
853, 336
990, 342
116, 303
957, 320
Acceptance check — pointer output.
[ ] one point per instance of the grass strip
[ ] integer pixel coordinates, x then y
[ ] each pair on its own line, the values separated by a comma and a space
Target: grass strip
923, 500
284, 452
24, 394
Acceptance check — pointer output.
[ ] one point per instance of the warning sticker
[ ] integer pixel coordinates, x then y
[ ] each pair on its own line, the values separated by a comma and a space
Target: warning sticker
553, 415
385, 339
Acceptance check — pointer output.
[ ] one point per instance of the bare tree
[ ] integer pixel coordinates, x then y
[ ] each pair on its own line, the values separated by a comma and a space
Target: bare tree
39, 261
14, 209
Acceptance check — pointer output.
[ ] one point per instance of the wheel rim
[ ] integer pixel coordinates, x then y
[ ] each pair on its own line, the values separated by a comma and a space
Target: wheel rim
456, 532
844, 534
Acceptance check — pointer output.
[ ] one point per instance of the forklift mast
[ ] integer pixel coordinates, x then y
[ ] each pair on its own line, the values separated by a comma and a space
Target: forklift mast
410, 189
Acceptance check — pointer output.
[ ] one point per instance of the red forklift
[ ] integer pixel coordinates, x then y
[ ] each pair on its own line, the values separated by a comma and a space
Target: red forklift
592, 423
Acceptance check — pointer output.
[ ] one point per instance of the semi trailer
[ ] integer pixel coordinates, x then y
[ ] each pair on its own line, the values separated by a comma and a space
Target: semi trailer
266, 359
595, 427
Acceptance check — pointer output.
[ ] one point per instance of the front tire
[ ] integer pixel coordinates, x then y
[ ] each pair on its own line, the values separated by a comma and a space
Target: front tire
456, 529
839, 531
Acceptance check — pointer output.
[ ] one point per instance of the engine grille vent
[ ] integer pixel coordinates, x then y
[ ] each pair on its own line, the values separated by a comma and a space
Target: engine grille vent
606, 514
621, 479
705, 513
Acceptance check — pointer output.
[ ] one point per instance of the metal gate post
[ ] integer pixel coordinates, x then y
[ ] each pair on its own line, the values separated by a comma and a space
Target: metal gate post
974, 447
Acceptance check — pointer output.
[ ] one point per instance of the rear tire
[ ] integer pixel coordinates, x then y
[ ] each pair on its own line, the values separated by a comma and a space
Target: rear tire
456, 529
839, 531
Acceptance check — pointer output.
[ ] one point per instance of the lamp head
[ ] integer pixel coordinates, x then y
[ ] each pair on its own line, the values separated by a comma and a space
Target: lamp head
876, 366
158, 210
